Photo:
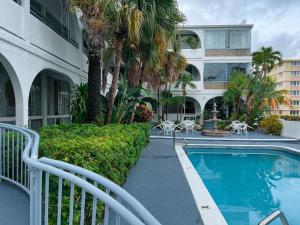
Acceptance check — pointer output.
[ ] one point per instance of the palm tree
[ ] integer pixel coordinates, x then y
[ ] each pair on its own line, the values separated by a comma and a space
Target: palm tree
128, 26
265, 59
95, 16
185, 80
237, 88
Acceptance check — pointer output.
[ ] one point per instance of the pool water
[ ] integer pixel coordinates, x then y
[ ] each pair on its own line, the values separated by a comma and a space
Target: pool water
248, 185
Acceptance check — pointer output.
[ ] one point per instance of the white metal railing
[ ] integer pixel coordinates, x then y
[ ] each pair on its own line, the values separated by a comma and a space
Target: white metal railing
272, 217
19, 164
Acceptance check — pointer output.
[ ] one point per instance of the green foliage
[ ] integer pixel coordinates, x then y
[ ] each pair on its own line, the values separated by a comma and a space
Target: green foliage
237, 88
271, 125
264, 60
223, 124
109, 151
291, 118
78, 103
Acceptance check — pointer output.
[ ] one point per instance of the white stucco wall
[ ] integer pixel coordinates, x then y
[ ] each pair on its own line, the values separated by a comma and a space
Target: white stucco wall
28, 46
291, 129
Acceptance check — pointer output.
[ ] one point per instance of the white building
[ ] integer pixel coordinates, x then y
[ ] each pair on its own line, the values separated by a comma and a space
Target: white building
41, 57
221, 49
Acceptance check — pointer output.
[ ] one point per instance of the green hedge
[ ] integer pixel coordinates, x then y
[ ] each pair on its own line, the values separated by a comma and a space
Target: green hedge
109, 151
291, 118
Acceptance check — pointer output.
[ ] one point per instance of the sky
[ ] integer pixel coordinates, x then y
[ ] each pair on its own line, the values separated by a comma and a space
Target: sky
276, 22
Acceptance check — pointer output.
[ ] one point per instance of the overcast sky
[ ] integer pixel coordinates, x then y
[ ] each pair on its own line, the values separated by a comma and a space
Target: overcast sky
276, 22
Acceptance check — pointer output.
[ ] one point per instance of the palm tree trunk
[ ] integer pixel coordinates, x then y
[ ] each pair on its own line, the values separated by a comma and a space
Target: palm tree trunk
115, 78
94, 83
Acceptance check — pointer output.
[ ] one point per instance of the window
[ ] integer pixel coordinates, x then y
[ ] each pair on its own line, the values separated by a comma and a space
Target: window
220, 72
295, 83
279, 84
281, 74
295, 102
227, 39
295, 73
58, 18
294, 112
58, 97
294, 93
295, 63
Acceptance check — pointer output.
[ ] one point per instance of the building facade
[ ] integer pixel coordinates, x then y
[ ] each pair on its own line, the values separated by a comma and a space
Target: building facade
221, 50
42, 55
287, 76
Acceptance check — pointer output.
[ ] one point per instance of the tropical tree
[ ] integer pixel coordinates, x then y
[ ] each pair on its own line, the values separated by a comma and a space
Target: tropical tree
264, 60
237, 88
185, 80
95, 15
166, 100
178, 101
127, 27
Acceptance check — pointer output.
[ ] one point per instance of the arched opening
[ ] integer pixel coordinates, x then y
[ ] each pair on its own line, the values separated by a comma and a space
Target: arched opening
224, 110
7, 97
189, 39
191, 111
194, 72
49, 100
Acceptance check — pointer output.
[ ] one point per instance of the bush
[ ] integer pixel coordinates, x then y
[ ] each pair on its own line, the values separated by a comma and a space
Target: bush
144, 114
223, 124
291, 118
109, 151
271, 125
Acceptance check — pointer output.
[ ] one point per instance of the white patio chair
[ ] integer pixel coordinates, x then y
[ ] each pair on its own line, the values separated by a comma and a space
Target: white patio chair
236, 127
244, 127
168, 128
189, 126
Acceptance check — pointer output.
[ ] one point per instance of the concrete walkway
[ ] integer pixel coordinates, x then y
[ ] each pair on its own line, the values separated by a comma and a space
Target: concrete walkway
14, 205
159, 183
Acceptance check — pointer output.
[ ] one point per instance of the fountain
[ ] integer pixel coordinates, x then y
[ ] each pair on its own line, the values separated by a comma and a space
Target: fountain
215, 132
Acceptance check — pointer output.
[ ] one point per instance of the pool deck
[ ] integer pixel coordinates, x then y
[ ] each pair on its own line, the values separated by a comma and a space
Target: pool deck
159, 183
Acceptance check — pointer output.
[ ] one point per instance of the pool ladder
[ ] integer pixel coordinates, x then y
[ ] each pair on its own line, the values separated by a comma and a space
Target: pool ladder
270, 218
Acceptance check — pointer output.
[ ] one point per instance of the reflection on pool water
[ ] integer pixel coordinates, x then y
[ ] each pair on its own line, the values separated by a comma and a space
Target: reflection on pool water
248, 185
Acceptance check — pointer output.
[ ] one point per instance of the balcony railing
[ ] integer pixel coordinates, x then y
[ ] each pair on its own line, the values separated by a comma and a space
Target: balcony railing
227, 52
20, 165
215, 84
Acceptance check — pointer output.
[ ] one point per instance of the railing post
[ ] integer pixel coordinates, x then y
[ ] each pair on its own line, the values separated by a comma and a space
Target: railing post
35, 197
174, 142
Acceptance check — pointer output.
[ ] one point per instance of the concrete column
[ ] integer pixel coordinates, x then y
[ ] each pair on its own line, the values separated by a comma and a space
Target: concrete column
21, 109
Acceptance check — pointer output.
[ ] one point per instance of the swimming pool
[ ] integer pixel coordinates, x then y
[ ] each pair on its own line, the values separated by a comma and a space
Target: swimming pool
248, 185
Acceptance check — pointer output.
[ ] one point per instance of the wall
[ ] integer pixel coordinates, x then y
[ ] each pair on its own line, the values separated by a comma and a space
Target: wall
291, 129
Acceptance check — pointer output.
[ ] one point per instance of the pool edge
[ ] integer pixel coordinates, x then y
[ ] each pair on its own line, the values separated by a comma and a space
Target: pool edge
208, 210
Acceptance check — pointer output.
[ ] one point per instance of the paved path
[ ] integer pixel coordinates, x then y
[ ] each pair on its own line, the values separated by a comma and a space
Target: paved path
14, 205
158, 182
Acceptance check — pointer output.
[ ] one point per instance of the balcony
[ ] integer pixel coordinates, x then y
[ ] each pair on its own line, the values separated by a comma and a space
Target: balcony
227, 52
215, 85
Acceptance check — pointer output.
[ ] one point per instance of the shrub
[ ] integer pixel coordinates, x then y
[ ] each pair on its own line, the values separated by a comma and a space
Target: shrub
271, 125
109, 151
291, 118
144, 114
223, 124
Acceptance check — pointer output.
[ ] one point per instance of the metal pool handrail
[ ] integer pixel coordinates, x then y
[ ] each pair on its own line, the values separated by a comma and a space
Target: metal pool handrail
270, 218
34, 186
